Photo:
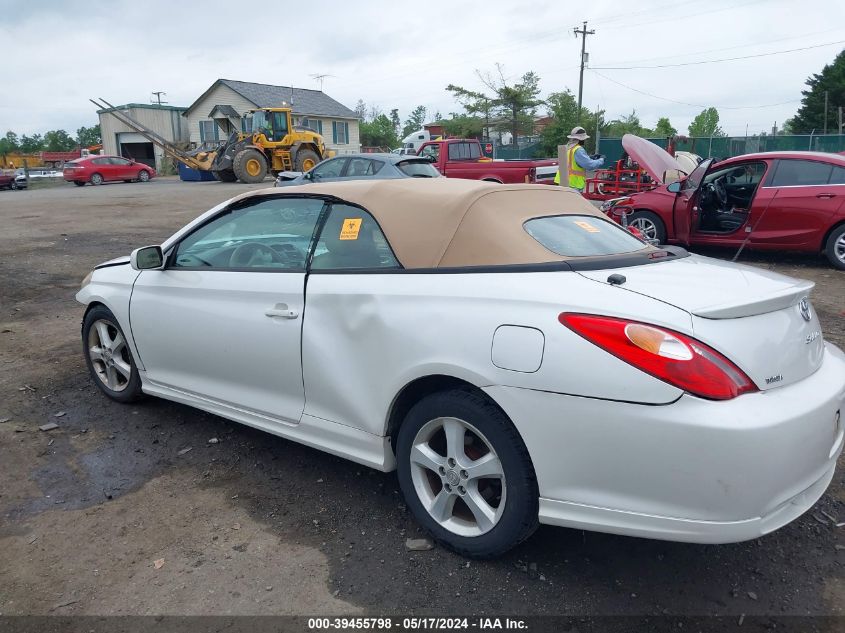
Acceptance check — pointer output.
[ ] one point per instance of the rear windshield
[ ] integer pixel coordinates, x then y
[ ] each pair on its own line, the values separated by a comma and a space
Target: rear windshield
582, 236
418, 169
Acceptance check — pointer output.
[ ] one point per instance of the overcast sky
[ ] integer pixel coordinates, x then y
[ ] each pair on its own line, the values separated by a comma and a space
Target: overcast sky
392, 53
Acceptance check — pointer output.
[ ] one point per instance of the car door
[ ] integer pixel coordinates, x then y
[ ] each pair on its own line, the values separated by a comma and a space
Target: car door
222, 321
103, 167
328, 170
801, 198
122, 169
685, 209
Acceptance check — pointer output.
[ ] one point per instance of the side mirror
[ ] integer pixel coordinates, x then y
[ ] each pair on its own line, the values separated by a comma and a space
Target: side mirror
146, 258
674, 187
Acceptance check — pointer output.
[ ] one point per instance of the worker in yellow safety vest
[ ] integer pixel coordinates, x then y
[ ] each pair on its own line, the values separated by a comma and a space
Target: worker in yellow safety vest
578, 161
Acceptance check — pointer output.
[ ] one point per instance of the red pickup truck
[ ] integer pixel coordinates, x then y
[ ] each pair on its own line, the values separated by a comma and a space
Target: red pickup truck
463, 158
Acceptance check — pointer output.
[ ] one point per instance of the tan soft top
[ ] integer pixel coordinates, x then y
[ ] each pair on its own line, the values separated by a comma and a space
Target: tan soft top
443, 222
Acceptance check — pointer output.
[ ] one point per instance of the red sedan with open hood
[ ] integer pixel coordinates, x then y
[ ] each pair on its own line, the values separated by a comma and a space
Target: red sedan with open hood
789, 201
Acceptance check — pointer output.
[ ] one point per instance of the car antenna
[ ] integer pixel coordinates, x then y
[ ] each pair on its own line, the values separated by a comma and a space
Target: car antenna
753, 228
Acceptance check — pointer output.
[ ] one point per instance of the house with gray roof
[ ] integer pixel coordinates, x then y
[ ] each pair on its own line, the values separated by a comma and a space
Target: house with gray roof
220, 110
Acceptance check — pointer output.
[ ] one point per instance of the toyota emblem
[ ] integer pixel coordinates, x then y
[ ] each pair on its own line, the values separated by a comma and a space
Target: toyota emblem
804, 307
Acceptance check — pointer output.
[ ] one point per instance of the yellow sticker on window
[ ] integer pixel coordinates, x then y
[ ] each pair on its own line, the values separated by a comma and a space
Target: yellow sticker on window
588, 227
350, 229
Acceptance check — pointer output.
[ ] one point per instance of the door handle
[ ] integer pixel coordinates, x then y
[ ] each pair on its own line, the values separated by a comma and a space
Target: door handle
825, 195
282, 311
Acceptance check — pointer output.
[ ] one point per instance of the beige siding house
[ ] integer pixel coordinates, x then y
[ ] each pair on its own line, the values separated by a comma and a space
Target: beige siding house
219, 112
121, 140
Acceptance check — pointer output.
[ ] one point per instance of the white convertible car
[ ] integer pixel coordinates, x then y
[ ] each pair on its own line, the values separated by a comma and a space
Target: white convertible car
517, 357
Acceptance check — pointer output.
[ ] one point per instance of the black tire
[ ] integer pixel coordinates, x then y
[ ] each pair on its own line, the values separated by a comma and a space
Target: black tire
226, 175
304, 155
143, 176
131, 390
13, 186
96, 179
834, 248
78, 183
519, 517
647, 219
243, 166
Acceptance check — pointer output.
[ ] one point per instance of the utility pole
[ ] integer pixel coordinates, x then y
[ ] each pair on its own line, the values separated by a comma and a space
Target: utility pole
583, 32
825, 112
157, 95
840, 120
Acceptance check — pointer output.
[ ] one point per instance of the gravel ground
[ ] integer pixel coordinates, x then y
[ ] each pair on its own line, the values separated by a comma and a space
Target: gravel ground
109, 514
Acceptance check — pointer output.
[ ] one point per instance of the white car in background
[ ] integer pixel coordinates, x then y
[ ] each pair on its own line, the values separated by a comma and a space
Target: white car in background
515, 355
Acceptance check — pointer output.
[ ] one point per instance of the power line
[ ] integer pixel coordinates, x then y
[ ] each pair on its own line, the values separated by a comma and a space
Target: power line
715, 61
695, 105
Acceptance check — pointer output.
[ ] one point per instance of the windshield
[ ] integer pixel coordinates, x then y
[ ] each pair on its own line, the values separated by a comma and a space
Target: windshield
259, 120
694, 179
582, 236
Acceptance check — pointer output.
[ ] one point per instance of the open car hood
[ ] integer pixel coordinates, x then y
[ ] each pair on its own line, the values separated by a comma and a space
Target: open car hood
655, 160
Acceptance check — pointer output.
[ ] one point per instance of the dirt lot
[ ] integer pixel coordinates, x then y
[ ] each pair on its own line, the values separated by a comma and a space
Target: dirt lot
257, 525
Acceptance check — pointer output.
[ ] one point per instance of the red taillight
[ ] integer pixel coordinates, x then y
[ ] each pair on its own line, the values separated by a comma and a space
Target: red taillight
669, 356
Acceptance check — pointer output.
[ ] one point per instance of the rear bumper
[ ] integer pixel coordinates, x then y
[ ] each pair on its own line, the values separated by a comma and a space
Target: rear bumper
693, 470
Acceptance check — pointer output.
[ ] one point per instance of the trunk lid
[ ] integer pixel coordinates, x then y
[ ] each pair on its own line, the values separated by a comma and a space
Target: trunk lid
761, 320
655, 160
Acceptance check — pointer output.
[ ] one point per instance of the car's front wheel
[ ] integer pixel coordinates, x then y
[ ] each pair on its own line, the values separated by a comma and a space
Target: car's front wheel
143, 176
835, 247
649, 225
466, 474
108, 357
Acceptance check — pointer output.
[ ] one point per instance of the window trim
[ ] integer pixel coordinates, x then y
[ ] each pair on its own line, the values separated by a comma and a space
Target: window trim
774, 171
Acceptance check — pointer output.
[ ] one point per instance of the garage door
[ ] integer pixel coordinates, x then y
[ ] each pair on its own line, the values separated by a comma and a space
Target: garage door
133, 145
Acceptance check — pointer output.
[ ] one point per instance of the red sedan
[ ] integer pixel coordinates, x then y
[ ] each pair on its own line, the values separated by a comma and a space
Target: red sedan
100, 169
789, 201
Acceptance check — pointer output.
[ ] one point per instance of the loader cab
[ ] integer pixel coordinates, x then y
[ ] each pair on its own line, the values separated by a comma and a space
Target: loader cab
274, 124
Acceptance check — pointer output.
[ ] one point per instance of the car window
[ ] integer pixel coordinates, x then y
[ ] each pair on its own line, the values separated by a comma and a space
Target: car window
329, 168
582, 236
745, 174
269, 234
464, 151
837, 176
431, 151
351, 238
694, 179
101, 161
119, 161
363, 167
418, 169
797, 173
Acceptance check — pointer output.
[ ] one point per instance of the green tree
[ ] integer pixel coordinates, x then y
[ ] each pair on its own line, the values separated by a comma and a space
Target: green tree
9, 143
563, 108
810, 115
378, 133
58, 141
664, 128
87, 136
395, 121
361, 109
515, 102
30, 144
706, 124
463, 125
415, 120
628, 124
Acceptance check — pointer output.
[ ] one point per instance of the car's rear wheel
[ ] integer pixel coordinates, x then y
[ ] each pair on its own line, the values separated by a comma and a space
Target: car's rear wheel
466, 474
13, 186
96, 179
649, 225
79, 183
835, 247
108, 357
143, 176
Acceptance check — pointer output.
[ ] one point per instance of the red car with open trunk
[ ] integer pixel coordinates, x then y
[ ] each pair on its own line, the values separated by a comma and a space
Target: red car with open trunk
100, 169
787, 201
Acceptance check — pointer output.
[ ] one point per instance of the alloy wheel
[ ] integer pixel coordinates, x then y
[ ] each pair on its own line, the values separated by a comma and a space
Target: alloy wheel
109, 355
839, 248
645, 226
458, 477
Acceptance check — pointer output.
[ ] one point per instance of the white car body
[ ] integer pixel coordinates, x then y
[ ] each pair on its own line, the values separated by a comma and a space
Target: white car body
614, 449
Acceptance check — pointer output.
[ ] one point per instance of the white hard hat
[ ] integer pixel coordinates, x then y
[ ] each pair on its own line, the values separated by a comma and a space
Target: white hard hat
579, 134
